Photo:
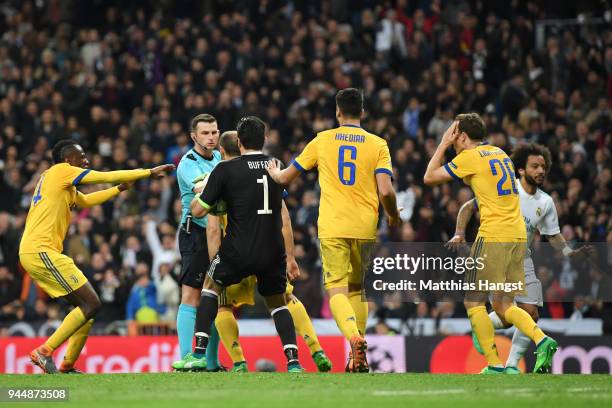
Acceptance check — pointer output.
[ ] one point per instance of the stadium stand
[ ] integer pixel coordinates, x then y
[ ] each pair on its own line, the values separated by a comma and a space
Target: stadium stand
124, 79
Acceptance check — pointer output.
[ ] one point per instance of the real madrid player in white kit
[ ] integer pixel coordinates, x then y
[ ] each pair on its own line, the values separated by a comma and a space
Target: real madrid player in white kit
532, 162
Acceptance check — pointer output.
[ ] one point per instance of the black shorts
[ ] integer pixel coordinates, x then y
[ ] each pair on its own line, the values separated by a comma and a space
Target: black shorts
194, 256
271, 279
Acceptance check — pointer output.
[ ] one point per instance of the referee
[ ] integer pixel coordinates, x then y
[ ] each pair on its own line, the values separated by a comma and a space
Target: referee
202, 158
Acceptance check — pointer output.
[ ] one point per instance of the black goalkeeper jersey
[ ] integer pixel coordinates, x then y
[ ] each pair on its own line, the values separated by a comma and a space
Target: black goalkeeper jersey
254, 201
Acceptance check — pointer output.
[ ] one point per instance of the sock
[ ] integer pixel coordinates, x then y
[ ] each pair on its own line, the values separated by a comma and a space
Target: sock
344, 315
201, 343
72, 322
212, 351
185, 323
520, 343
75, 345
303, 324
524, 322
207, 311
361, 310
497, 323
286, 331
482, 326
227, 326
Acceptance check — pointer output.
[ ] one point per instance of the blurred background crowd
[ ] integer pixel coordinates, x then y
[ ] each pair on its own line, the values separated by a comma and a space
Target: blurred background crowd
124, 78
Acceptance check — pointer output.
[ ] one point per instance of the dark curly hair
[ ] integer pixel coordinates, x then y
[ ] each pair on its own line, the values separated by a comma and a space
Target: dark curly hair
62, 149
521, 153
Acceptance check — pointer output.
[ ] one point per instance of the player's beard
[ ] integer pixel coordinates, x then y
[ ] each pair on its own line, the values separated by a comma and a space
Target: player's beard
532, 181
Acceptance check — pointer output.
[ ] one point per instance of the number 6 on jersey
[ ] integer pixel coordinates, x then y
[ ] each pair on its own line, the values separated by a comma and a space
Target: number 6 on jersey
344, 164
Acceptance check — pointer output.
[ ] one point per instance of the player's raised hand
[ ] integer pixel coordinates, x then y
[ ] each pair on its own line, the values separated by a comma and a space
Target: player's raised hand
450, 135
274, 170
293, 269
161, 171
455, 242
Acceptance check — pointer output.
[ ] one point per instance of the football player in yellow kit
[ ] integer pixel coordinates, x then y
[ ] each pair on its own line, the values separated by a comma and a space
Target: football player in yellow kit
502, 237
355, 177
40, 251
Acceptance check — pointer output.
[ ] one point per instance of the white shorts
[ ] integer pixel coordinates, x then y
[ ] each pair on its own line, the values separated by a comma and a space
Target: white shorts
533, 286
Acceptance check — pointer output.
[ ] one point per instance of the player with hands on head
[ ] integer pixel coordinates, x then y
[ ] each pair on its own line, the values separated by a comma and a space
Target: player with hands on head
502, 237
532, 163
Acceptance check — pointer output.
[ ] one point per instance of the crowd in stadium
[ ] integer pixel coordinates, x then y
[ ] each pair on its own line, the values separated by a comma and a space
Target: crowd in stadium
127, 90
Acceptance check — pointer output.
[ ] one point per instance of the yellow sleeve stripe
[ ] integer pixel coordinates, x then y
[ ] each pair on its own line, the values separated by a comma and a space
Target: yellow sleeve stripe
202, 203
78, 178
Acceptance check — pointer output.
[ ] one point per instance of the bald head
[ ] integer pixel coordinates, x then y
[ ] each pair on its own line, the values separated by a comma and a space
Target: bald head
229, 144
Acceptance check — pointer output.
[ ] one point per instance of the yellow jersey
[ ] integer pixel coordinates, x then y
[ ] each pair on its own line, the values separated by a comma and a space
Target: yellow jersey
54, 197
348, 158
490, 173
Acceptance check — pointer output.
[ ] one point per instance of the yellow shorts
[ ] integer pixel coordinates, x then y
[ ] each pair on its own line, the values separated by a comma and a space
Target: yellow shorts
243, 293
502, 261
343, 261
55, 273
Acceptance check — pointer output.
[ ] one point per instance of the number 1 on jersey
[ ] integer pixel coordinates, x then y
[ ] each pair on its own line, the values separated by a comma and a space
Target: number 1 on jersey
266, 210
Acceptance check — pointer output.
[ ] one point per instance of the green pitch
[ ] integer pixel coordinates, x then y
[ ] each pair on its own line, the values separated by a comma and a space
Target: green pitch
179, 390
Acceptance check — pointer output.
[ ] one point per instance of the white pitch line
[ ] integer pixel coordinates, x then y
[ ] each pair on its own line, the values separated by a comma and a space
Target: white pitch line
515, 390
588, 389
394, 393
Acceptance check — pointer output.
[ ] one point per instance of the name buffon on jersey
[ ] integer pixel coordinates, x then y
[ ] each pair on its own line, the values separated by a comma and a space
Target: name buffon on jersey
256, 165
484, 153
343, 137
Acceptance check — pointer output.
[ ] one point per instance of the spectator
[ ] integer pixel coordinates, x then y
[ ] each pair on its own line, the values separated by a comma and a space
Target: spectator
112, 294
9, 294
142, 305
168, 294
128, 87
9, 242
411, 118
164, 251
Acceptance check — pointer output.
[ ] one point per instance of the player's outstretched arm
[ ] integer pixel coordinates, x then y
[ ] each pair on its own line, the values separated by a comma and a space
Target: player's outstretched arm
279, 176
124, 176
436, 173
559, 243
463, 218
99, 197
293, 270
386, 193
